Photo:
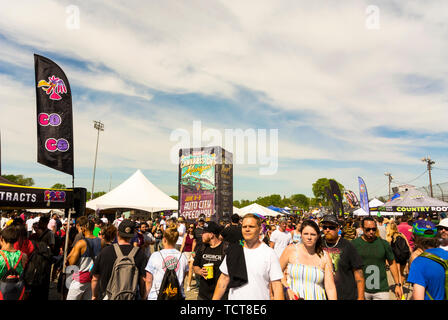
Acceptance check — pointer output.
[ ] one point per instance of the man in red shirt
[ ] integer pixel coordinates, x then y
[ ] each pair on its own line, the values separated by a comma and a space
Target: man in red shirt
406, 230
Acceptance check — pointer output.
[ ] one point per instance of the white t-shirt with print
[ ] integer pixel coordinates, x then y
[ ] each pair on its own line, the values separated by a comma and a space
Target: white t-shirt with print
263, 267
281, 241
156, 267
182, 229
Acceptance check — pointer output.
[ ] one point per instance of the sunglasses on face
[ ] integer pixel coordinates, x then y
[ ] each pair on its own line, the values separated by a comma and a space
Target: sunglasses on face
442, 228
329, 227
370, 229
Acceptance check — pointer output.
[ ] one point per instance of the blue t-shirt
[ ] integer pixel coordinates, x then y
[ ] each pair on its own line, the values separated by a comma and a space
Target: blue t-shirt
429, 274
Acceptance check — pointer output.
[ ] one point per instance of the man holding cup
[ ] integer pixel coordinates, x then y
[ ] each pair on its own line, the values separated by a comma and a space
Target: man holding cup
207, 261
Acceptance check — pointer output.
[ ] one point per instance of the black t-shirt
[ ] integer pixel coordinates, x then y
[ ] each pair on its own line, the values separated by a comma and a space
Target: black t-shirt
105, 260
209, 255
232, 234
198, 231
345, 259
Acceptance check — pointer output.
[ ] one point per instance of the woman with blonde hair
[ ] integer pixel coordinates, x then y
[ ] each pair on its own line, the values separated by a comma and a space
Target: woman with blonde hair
167, 258
400, 247
309, 269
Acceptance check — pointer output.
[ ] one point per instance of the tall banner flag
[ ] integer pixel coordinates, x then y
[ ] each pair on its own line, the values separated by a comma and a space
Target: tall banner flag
338, 196
363, 197
54, 116
331, 198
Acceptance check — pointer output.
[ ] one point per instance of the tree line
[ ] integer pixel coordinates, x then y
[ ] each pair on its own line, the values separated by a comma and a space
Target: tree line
296, 200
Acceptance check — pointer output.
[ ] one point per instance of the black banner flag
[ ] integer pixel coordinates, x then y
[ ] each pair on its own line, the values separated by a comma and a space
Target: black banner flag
337, 196
54, 116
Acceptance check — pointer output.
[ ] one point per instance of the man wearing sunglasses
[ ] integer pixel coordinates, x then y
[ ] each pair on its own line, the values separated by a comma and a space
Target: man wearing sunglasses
375, 252
347, 264
442, 229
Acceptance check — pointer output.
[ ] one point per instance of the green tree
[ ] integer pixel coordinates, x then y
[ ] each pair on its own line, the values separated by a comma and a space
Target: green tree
175, 197
95, 194
59, 186
319, 190
237, 204
300, 200
19, 179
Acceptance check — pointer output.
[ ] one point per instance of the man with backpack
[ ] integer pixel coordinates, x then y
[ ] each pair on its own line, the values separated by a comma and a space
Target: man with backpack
428, 272
166, 270
119, 269
37, 271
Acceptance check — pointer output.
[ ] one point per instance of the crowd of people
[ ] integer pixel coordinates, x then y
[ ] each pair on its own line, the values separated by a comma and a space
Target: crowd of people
252, 257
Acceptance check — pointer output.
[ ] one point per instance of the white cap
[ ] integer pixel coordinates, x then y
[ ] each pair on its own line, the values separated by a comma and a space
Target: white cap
443, 223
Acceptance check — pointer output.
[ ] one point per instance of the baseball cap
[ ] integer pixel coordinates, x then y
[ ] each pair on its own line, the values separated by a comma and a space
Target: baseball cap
424, 228
213, 227
443, 223
126, 228
329, 218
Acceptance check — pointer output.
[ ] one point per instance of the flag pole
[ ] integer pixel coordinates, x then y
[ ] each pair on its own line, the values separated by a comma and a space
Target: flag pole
67, 234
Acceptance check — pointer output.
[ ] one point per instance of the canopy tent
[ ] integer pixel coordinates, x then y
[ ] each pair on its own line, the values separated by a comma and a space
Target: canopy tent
57, 211
414, 201
137, 192
373, 204
256, 208
236, 210
280, 210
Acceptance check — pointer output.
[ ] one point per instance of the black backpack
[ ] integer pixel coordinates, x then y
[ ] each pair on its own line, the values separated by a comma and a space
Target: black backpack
39, 265
400, 249
12, 286
170, 288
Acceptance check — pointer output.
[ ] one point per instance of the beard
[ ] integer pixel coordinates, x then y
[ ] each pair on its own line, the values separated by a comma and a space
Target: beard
331, 238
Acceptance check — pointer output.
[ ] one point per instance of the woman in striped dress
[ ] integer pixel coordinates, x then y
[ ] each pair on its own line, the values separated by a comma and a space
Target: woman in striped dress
308, 269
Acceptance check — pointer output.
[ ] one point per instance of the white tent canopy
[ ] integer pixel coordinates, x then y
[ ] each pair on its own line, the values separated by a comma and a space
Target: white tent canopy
375, 203
372, 204
137, 192
256, 208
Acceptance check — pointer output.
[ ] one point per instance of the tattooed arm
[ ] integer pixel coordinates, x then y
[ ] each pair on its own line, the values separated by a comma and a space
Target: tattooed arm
360, 283
221, 286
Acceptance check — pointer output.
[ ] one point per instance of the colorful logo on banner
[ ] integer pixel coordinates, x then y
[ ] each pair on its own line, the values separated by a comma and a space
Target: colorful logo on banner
54, 87
54, 196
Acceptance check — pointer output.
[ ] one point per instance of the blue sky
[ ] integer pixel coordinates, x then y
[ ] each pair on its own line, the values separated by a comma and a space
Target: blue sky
347, 100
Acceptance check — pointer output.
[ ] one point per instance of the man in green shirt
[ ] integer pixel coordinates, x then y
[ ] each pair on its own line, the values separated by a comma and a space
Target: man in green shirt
374, 252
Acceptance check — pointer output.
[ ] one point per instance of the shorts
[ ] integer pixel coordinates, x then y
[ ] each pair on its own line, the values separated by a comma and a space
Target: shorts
377, 296
189, 256
79, 291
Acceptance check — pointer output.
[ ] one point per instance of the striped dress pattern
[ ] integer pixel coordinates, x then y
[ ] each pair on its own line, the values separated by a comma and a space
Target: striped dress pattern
307, 281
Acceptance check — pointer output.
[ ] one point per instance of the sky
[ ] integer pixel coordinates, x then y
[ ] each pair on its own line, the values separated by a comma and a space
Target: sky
328, 89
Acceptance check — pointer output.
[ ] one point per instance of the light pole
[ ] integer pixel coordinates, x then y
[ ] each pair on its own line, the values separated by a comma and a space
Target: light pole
387, 174
100, 127
429, 163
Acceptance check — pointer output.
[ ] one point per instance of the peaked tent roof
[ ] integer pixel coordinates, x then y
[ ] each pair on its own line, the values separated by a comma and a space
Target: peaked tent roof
375, 203
415, 198
256, 208
137, 192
